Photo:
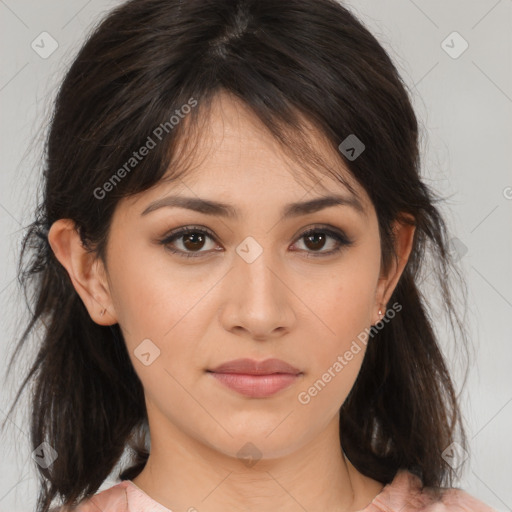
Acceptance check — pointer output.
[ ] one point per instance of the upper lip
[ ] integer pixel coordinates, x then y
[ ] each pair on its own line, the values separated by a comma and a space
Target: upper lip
252, 367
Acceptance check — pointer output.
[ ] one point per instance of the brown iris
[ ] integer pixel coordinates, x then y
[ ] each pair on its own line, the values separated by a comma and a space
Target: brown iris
317, 239
193, 241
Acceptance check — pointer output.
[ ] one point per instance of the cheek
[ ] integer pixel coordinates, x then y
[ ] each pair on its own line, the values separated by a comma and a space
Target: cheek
344, 303
152, 295
344, 299
155, 301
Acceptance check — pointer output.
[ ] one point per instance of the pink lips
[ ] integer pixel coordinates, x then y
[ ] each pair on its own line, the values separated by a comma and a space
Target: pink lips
256, 379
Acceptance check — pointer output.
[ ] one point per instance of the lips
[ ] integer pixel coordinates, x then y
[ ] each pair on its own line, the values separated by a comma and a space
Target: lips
256, 379
252, 367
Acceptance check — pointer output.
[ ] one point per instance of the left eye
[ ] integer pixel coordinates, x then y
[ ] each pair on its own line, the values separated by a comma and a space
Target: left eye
193, 239
317, 237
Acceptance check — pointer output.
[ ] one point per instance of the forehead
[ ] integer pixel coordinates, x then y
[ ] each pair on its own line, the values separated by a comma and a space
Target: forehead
235, 157
233, 135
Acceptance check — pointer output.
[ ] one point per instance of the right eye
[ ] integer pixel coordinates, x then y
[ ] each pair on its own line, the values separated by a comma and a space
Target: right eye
191, 238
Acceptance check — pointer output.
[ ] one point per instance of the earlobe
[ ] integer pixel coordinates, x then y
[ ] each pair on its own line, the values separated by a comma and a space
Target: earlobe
85, 270
403, 241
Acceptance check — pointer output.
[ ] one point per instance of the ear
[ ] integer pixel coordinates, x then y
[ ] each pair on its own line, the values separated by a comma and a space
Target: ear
403, 235
85, 269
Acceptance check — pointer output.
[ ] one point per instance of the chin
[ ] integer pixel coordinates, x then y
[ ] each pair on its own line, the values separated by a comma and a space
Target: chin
252, 445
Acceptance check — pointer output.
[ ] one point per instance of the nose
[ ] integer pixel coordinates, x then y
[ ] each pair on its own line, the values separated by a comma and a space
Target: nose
257, 299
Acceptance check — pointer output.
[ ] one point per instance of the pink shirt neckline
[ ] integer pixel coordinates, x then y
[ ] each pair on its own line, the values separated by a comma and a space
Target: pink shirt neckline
403, 479
403, 494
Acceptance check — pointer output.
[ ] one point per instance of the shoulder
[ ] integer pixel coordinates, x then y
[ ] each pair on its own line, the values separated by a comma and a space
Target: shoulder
113, 499
460, 501
406, 494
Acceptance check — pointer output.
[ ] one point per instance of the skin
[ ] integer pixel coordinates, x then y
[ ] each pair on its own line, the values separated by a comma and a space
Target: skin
204, 311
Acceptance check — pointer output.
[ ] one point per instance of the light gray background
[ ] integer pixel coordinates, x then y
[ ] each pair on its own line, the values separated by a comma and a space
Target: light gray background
464, 105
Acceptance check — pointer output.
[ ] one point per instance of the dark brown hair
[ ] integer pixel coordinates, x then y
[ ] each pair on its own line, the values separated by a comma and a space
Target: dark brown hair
292, 62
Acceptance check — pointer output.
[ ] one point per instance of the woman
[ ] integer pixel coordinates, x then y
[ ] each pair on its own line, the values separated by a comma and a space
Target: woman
228, 259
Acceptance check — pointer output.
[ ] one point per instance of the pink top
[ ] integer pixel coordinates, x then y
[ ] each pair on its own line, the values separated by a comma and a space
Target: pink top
403, 494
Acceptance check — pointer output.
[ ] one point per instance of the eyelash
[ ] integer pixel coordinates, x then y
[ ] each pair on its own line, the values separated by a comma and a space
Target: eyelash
340, 237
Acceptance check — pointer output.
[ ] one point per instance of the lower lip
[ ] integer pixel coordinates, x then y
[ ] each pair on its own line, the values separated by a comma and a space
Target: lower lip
256, 386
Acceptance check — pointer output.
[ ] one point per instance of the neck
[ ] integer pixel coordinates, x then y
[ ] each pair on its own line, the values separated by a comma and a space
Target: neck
183, 474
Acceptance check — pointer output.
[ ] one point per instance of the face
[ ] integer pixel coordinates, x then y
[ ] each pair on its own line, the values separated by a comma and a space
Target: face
251, 284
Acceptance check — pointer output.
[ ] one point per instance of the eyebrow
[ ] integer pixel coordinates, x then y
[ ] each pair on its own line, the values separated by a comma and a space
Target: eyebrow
210, 207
